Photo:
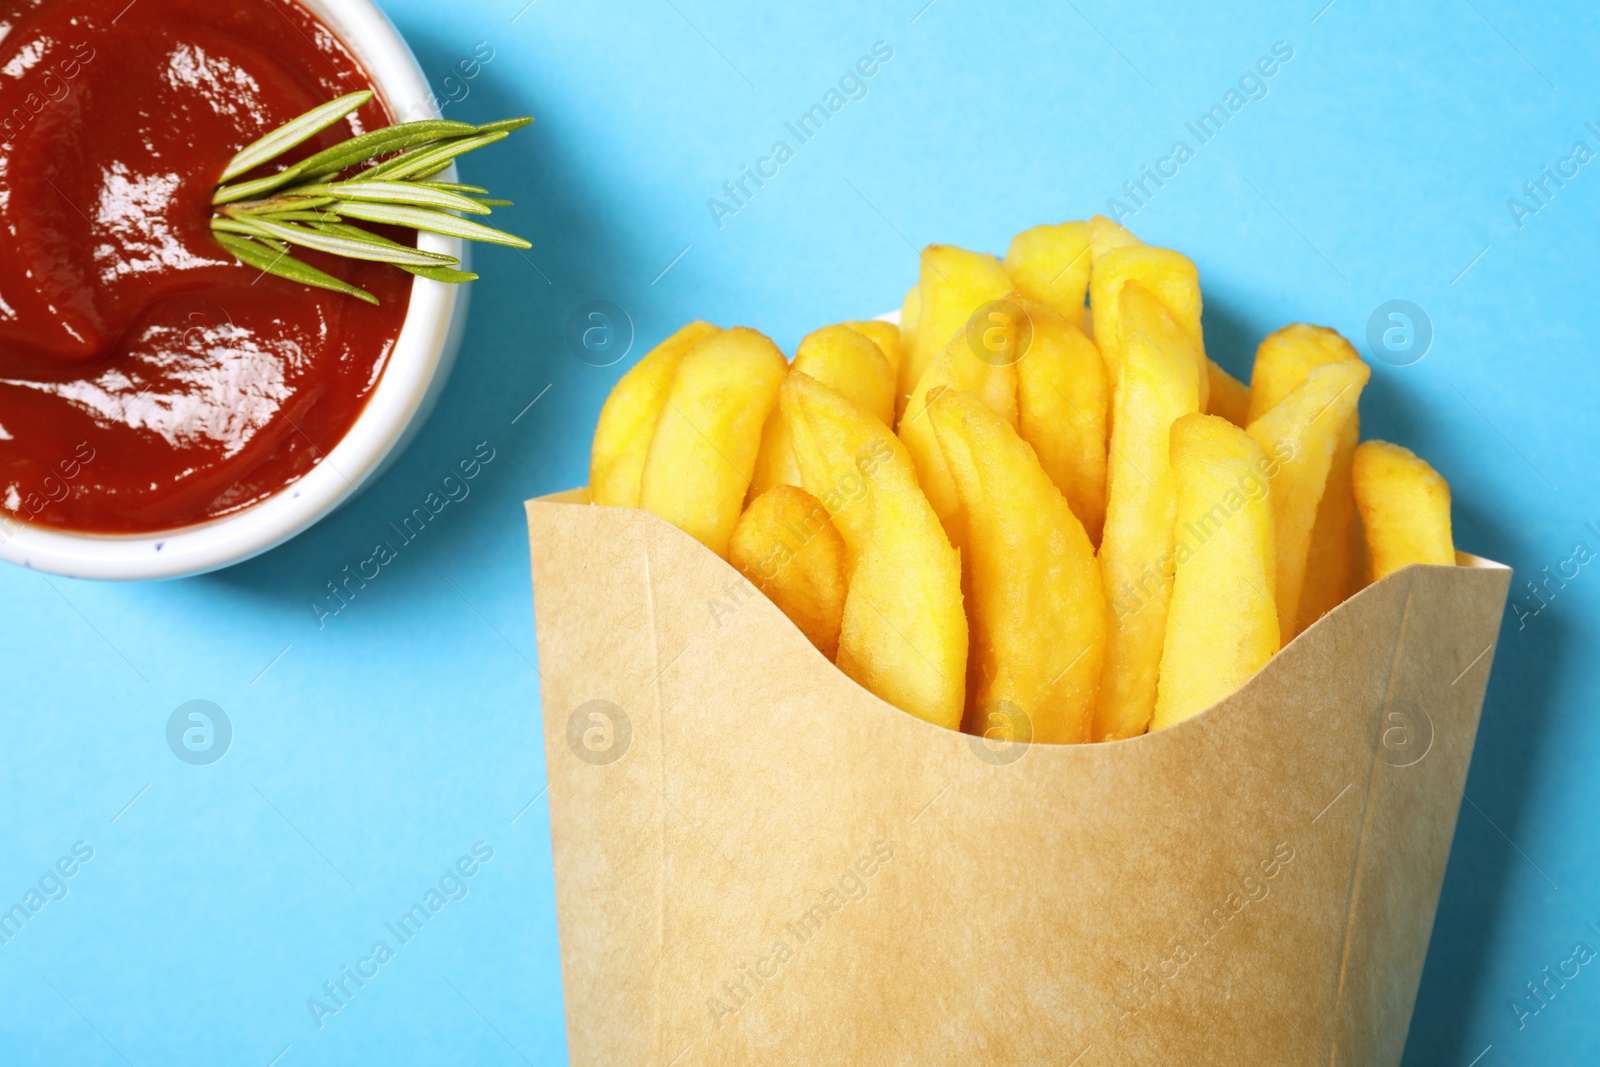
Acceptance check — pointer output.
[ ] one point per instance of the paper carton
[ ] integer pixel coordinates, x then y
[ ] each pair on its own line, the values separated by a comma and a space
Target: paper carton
759, 862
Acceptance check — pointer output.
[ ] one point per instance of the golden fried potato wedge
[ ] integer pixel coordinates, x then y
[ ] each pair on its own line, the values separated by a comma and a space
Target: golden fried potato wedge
845, 360
786, 546
955, 283
1061, 411
1222, 624
628, 419
1107, 236
958, 366
1228, 396
1037, 613
1160, 383
904, 634
886, 335
1283, 361
1170, 276
704, 449
1286, 356
1050, 265
1405, 509
1302, 433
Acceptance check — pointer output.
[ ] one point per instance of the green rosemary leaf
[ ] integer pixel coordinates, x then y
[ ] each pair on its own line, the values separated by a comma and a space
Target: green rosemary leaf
425, 219
508, 125
399, 255
293, 133
279, 203
454, 187
443, 274
497, 203
421, 162
279, 263
340, 157
299, 216
382, 192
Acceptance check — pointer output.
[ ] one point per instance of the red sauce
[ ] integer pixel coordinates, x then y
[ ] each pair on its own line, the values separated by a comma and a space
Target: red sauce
147, 379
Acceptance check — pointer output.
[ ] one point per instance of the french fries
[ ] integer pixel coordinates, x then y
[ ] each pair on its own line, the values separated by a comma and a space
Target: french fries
786, 546
1303, 431
955, 283
1222, 624
1061, 411
1170, 277
628, 419
1283, 361
1160, 383
1405, 508
1037, 608
904, 633
1050, 265
995, 383
703, 451
1018, 507
845, 359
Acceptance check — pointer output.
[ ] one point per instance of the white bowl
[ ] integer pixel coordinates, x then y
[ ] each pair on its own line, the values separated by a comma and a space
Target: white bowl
411, 382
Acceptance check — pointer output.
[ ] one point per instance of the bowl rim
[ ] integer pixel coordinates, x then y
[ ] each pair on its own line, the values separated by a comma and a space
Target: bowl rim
414, 372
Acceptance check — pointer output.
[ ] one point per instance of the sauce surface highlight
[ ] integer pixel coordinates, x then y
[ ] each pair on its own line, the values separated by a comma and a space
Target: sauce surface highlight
147, 379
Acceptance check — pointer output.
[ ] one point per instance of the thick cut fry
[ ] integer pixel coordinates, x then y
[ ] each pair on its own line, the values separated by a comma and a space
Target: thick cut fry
1061, 412
904, 635
1050, 265
1222, 625
1283, 361
1301, 433
844, 360
886, 335
1037, 614
1107, 236
910, 314
628, 419
1405, 509
1286, 356
788, 547
704, 449
1174, 281
955, 283
1228, 396
958, 367
1160, 383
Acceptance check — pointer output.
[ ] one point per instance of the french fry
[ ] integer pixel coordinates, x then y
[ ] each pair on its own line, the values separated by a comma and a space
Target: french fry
1228, 396
1222, 624
995, 383
1160, 383
1283, 361
1405, 509
904, 634
1302, 432
1173, 280
1286, 356
628, 418
1107, 236
845, 360
786, 546
954, 284
1037, 619
704, 448
886, 335
1050, 265
1061, 412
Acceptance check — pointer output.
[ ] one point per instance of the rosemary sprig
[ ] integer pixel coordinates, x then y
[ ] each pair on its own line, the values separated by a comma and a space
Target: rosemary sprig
307, 204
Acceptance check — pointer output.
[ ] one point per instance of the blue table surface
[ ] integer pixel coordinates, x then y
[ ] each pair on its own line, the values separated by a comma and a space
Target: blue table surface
373, 749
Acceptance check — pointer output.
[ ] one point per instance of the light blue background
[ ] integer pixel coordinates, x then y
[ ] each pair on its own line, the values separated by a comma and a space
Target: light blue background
372, 753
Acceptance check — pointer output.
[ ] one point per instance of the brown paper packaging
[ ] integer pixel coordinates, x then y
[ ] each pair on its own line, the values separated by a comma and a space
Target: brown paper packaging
759, 862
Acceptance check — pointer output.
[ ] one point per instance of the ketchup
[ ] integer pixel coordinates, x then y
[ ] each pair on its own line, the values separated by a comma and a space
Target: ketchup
147, 379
